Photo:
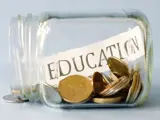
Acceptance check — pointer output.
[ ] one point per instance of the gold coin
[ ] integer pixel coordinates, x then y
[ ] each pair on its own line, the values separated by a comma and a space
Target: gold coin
126, 89
137, 91
116, 65
130, 91
136, 78
108, 87
133, 88
107, 100
116, 86
131, 73
117, 74
99, 83
113, 77
107, 78
137, 88
75, 88
123, 82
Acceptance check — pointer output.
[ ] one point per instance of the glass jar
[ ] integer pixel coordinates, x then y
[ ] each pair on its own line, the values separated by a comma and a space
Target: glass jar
82, 60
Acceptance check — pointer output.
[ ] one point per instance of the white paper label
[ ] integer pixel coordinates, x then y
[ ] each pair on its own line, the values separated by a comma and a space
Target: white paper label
88, 59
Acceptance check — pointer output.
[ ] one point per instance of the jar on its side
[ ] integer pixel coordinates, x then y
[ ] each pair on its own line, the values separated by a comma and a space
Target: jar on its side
85, 60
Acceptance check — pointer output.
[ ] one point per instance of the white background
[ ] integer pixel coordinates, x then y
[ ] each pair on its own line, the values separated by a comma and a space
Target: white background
10, 8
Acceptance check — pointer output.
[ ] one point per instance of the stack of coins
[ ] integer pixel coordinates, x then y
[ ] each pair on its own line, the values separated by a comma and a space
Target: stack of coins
121, 85
125, 86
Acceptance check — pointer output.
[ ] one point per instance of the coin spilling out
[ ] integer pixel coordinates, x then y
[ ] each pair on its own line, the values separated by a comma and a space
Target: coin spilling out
75, 89
107, 100
99, 82
116, 87
118, 66
14, 99
135, 88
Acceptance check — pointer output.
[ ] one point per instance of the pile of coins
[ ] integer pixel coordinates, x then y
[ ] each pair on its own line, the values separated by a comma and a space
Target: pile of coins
121, 85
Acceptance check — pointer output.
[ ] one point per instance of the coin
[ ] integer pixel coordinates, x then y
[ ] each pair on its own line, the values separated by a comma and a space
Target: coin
117, 74
14, 99
131, 73
118, 66
107, 100
75, 88
116, 87
108, 87
135, 87
51, 94
124, 81
130, 91
113, 77
107, 78
137, 91
136, 78
126, 89
99, 82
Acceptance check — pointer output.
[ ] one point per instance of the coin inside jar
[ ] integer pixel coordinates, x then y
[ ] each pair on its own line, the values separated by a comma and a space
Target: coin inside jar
75, 88
108, 88
113, 77
107, 78
132, 88
139, 86
51, 94
118, 66
135, 88
107, 100
116, 87
117, 74
99, 82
